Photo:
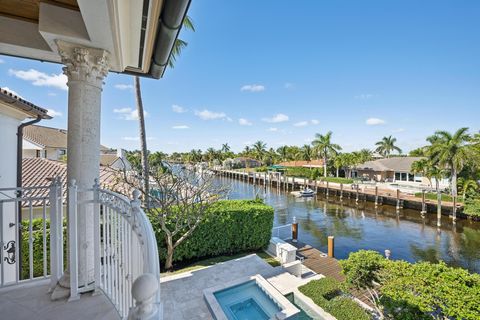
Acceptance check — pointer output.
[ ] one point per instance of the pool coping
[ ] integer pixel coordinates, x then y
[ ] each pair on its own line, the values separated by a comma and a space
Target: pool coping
287, 308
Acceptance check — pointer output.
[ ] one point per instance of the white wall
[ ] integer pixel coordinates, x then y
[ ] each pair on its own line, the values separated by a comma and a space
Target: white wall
9, 122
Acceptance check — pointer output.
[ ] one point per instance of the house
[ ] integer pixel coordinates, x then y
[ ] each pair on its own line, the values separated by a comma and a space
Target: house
245, 162
394, 170
46, 142
89, 39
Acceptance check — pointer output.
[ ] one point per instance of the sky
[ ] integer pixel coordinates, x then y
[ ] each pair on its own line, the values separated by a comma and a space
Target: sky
281, 71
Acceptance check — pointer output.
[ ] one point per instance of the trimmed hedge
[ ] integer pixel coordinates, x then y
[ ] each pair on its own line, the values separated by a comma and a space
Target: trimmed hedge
327, 294
230, 226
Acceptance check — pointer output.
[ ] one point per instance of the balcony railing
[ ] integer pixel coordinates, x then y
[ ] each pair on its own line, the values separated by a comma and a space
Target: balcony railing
125, 255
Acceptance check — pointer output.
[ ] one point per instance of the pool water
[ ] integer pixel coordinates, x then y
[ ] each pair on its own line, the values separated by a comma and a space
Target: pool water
246, 301
299, 316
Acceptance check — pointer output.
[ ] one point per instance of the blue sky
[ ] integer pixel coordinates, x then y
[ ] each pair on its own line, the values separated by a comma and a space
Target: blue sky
281, 71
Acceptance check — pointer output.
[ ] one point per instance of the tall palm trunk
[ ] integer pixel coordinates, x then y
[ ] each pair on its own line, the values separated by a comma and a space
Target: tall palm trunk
454, 182
143, 137
325, 166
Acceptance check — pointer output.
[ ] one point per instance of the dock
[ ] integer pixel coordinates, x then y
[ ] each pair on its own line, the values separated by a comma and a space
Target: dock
320, 263
357, 192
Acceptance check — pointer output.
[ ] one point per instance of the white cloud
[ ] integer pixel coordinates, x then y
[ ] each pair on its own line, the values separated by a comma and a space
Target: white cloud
244, 122
123, 86
280, 117
398, 130
180, 127
364, 96
314, 121
41, 79
253, 88
129, 113
136, 138
289, 85
374, 121
301, 124
272, 129
13, 92
229, 119
178, 109
54, 113
210, 115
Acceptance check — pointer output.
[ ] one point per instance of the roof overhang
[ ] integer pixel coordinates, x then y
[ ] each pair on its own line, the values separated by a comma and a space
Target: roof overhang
21, 106
138, 34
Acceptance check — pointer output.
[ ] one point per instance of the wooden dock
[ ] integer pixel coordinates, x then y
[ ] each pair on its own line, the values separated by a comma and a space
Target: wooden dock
320, 263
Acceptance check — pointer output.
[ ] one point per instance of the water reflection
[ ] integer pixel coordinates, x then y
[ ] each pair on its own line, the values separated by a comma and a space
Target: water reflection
406, 233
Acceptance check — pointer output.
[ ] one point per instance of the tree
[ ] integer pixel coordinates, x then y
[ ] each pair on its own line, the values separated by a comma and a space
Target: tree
325, 148
450, 151
225, 148
306, 152
177, 48
386, 146
283, 152
259, 148
179, 203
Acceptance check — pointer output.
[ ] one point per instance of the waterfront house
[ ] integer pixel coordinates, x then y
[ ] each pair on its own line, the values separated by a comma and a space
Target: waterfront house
89, 39
318, 163
245, 162
396, 170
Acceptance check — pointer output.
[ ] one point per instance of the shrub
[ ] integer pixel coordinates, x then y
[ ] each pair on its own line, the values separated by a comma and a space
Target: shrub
261, 169
327, 294
230, 226
472, 207
315, 174
362, 268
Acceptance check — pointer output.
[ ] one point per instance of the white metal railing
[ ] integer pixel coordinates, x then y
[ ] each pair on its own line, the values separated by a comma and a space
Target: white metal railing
124, 250
283, 232
39, 211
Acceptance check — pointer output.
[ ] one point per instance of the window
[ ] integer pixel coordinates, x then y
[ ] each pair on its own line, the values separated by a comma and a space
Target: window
397, 176
411, 177
62, 152
37, 154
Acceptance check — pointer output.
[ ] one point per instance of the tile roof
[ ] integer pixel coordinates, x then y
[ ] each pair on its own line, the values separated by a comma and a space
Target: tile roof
48, 137
313, 163
41, 171
401, 164
14, 101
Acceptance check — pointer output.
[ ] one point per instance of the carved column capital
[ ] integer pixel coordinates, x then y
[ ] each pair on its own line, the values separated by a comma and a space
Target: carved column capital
83, 63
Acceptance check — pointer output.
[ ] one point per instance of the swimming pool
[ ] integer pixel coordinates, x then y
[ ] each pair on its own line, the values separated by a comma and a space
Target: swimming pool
248, 298
246, 301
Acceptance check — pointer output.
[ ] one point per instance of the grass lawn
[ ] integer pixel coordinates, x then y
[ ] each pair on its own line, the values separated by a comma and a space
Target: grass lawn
433, 196
212, 261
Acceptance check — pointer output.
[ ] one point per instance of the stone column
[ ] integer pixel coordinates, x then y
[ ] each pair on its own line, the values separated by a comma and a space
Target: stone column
85, 68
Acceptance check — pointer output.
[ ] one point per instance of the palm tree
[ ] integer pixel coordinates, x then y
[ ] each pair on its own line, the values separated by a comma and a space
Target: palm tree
211, 154
338, 162
466, 186
306, 152
177, 49
386, 146
450, 151
225, 148
259, 148
325, 148
283, 152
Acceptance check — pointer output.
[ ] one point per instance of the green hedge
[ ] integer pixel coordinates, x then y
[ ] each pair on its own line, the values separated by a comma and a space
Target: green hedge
230, 226
472, 207
327, 294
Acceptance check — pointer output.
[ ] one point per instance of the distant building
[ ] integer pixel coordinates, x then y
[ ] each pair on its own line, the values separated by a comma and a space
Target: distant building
394, 170
307, 164
245, 162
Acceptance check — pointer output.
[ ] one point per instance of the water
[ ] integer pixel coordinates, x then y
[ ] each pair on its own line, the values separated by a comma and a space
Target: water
245, 302
302, 315
409, 236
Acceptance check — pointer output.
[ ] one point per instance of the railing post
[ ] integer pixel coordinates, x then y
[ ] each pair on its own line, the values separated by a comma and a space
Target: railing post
294, 230
144, 290
56, 233
96, 234
73, 240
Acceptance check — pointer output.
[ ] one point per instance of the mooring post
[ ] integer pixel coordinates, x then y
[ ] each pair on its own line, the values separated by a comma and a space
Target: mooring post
424, 205
331, 246
294, 230
327, 192
454, 209
356, 191
304, 183
398, 199
376, 196
439, 209
316, 186
341, 191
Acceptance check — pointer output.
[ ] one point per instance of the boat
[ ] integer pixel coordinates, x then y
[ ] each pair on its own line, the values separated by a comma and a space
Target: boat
307, 192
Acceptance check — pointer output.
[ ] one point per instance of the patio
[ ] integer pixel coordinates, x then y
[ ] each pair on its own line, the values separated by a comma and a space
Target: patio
182, 294
33, 302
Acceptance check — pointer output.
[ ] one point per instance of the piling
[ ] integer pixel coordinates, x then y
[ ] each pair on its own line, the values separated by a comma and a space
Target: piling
341, 191
398, 199
356, 191
439, 209
376, 196
454, 209
424, 205
331, 246
294, 230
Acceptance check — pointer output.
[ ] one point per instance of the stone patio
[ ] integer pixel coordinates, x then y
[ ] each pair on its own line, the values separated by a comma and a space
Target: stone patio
33, 302
182, 294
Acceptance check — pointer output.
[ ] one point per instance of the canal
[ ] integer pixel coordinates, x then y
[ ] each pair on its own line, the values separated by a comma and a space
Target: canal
409, 236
